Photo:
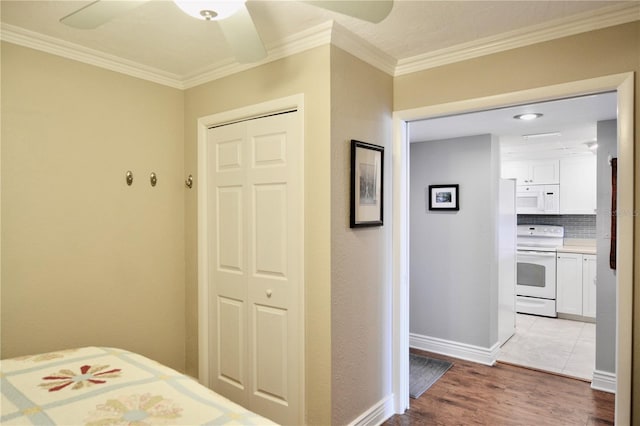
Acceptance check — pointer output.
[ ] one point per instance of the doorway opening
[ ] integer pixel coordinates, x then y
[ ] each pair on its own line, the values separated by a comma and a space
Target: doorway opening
623, 85
543, 323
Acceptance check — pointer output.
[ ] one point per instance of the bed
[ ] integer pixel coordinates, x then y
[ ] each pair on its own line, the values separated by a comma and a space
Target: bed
105, 386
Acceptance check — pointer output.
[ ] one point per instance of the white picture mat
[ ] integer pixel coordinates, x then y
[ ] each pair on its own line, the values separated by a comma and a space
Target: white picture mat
368, 210
435, 203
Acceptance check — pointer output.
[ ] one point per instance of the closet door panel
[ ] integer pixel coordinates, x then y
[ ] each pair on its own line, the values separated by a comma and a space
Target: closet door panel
255, 201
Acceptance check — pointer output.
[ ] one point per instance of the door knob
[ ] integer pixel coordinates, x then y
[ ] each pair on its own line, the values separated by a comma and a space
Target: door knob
269, 293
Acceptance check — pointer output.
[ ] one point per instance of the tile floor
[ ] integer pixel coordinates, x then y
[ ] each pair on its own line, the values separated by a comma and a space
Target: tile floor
552, 344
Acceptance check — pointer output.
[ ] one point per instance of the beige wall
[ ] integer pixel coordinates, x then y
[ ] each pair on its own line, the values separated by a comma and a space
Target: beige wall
593, 54
87, 260
361, 99
306, 73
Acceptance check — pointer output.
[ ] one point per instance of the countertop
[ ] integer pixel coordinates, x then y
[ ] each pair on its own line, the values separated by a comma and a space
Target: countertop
584, 246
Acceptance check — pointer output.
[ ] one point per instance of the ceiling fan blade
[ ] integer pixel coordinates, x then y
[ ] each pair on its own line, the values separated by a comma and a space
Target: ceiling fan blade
99, 12
367, 10
243, 37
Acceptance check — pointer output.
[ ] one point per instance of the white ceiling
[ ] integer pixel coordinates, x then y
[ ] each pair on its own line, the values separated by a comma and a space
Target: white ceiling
158, 37
574, 119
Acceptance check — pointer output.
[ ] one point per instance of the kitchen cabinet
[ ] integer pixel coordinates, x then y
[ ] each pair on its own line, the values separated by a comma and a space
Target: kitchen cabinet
589, 285
569, 283
576, 284
578, 185
539, 172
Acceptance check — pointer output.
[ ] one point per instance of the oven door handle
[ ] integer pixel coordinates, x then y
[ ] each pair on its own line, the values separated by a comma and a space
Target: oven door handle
538, 253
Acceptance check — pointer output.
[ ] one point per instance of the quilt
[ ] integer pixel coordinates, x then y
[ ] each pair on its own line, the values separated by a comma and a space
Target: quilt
97, 386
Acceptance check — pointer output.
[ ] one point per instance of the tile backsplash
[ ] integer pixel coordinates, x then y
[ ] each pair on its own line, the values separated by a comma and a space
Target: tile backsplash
575, 225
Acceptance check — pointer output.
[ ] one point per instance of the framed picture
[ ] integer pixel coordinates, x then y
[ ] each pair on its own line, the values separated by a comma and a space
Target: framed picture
444, 197
366, 184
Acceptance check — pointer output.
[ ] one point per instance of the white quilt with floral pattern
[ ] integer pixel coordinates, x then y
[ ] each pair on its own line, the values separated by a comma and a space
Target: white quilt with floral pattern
107, 387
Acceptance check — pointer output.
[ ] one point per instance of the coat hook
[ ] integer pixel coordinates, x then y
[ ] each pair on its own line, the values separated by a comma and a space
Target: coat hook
189, 182
129, 177
153, 179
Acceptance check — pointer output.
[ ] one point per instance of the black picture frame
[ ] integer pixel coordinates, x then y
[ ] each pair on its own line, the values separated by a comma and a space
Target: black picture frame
367, 181
444, 197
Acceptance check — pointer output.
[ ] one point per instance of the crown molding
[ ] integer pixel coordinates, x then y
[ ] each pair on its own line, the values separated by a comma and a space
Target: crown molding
362, 49
316, 36
58, 47
558, 28
327, 33
313, 37
331, 32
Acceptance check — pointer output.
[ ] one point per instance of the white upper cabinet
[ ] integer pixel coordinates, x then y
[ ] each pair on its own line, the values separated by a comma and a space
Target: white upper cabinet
518, 170
542, 172
578, 185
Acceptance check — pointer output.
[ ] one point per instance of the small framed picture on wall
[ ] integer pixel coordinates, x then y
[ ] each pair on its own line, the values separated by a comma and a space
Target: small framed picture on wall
444, 197
366, 184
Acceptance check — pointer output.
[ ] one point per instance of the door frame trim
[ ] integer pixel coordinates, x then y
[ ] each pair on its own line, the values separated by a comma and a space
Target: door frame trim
294, 102
623, 84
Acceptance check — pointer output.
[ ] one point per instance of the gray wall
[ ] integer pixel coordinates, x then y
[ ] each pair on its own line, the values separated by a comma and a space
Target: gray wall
606, 278
453, 284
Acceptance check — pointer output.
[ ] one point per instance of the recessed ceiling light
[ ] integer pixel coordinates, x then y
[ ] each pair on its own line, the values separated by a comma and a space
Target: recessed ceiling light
528, 116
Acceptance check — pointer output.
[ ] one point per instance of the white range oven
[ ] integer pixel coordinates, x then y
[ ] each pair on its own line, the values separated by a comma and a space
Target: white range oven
536, 273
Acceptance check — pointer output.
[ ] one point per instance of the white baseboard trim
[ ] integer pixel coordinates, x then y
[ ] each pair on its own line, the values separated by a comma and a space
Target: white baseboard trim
486, 356
604, 381
377, 414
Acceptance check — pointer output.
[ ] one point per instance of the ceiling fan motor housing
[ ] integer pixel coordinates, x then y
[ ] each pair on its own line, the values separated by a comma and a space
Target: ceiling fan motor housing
211, 10
208, 14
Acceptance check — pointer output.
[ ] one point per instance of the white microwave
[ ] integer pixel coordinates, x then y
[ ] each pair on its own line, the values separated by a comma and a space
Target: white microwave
538, 199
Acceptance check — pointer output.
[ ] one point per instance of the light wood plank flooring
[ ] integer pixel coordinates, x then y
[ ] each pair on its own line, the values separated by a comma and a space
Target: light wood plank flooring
475, 394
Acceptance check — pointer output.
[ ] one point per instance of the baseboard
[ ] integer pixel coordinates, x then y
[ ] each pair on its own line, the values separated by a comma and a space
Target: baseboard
604, 381
573, 317
486, 356
377, 414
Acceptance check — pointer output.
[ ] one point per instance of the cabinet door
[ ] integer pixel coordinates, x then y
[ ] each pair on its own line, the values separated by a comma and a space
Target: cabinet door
589, 285
578, 185
517, 170
544, 172
569, 283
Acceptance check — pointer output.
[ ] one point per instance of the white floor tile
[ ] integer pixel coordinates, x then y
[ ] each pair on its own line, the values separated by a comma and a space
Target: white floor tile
588, 332
551, 344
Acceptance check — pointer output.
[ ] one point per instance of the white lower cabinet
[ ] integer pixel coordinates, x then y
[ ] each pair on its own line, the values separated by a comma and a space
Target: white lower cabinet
589, 285
569, 283
576, 284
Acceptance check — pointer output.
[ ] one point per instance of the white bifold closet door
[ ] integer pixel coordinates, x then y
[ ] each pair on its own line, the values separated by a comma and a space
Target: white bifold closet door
255, 225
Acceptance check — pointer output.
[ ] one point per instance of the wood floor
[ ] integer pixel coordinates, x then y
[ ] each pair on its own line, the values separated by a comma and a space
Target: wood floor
475, 394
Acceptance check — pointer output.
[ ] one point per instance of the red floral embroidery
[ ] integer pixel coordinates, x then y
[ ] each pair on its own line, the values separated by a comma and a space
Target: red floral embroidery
89, 375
